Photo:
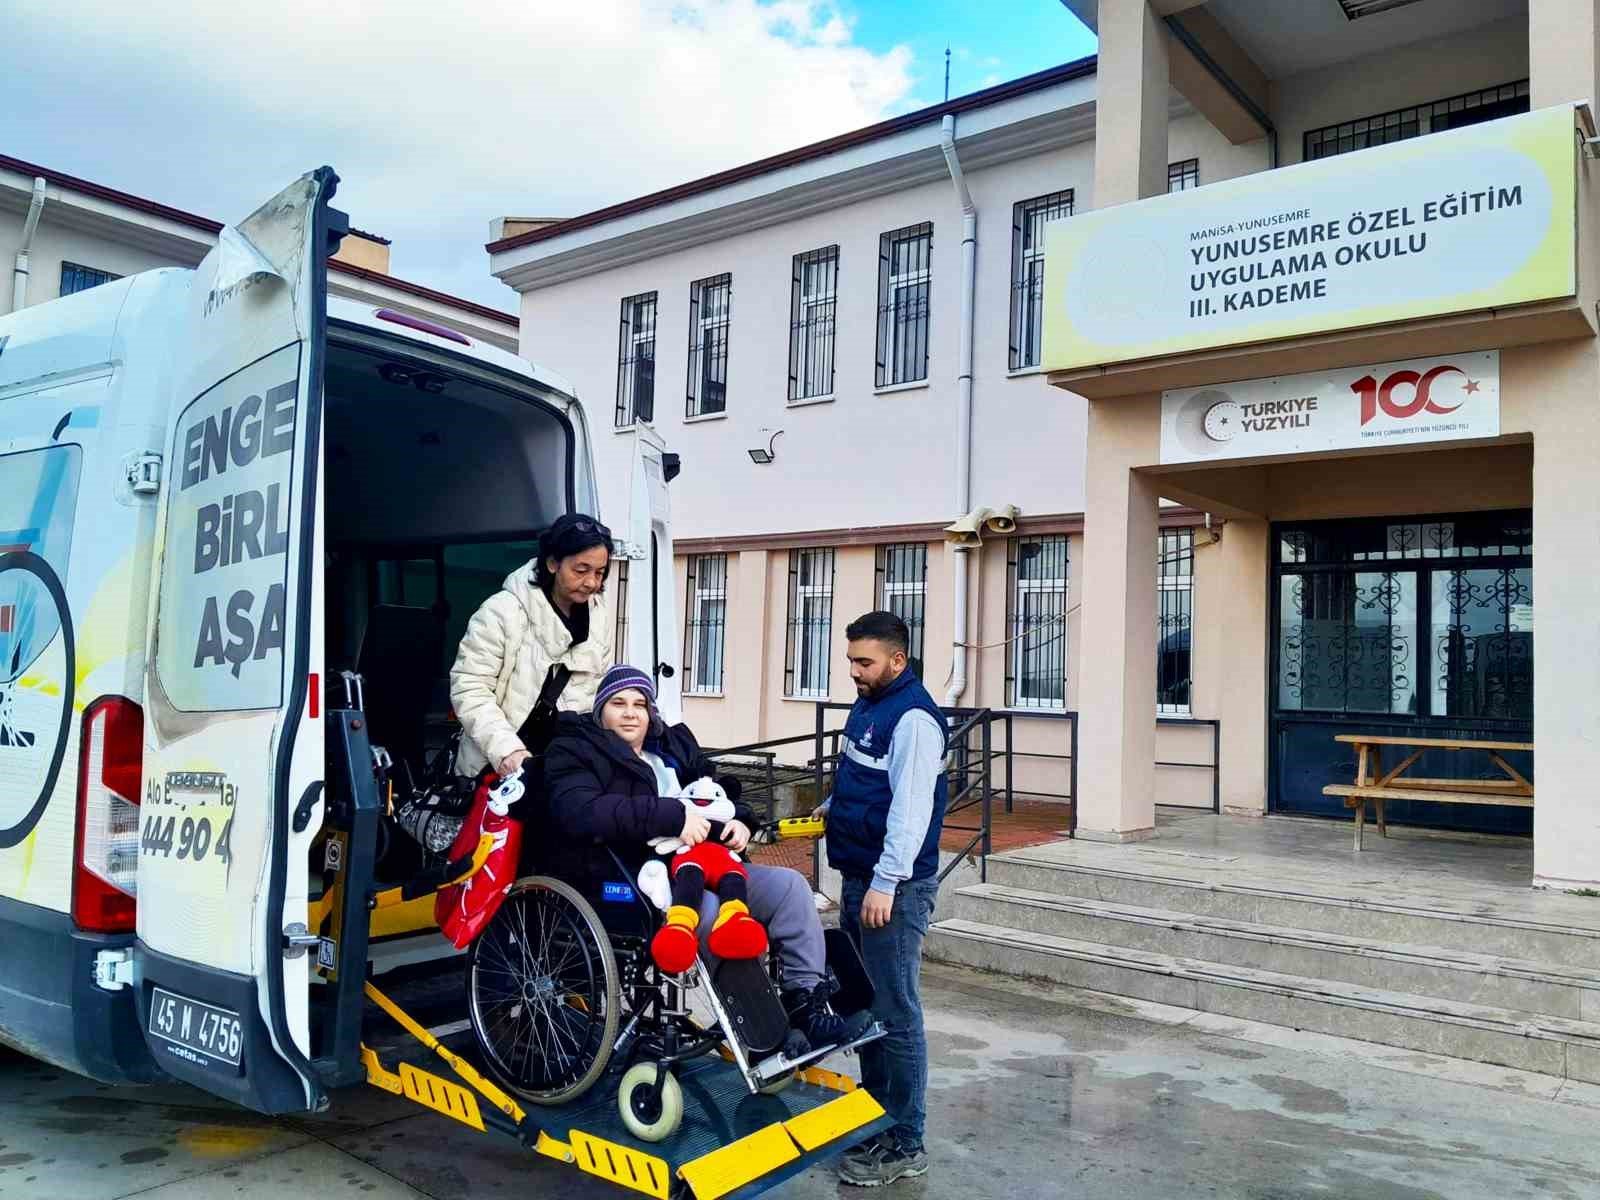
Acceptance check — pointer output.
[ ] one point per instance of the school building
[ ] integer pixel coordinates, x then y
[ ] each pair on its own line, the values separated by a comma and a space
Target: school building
1249, 361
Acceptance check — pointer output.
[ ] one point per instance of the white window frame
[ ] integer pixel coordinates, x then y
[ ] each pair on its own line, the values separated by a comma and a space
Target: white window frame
813, 653
1022, 589
1179, 584
710, 587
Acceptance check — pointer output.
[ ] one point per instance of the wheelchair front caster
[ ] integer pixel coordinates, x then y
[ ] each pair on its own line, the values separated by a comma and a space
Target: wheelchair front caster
777, 1085
648, 1119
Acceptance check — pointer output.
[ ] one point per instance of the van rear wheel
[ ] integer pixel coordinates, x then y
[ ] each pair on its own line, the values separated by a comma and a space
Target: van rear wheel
543, 993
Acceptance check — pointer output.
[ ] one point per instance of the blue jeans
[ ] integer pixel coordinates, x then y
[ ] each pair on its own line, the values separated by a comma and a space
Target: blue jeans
894, 1069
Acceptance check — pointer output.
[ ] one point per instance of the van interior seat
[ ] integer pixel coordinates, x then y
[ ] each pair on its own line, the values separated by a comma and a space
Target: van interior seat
399, 665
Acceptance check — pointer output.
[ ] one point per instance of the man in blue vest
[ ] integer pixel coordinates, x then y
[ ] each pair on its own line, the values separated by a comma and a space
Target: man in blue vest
884, 820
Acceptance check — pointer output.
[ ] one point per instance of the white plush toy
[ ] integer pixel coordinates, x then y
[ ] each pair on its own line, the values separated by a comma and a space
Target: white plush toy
704, 796
677, 891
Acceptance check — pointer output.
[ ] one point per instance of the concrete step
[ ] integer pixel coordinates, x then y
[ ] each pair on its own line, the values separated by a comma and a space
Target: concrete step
1459, 975
1386, 915
1479, 1033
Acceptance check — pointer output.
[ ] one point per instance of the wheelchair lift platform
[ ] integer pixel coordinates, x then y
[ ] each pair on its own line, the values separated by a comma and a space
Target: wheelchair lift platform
731, 1144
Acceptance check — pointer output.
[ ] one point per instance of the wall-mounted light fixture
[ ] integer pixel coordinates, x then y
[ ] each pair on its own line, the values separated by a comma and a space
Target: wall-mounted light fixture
761, 456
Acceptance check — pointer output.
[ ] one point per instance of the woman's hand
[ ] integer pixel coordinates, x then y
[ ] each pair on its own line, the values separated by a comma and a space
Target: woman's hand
736, 836
695, 828
512, 763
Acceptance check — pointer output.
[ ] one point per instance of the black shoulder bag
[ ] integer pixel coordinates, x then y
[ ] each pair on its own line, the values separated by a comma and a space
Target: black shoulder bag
540, 727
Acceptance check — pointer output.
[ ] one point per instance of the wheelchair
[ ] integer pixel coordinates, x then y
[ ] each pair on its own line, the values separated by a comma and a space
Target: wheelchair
562, 993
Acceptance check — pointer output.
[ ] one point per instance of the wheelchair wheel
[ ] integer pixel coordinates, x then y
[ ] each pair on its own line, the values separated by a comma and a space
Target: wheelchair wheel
647, 1121
542, 992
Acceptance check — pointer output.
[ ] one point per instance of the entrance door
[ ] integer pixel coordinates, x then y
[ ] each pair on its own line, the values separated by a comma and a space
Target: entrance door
1410, 626
233, 755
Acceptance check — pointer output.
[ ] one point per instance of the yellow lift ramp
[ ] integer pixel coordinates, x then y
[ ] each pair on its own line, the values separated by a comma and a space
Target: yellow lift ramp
731, 1143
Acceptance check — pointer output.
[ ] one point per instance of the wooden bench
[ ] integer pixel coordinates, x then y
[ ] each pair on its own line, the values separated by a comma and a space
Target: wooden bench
1375, 785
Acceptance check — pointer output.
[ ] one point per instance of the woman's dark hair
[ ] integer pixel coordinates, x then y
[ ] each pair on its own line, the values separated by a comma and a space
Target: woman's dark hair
571, 534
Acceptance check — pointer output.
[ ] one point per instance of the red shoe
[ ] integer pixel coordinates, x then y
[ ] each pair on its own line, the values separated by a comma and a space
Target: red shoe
675, 945
737, 934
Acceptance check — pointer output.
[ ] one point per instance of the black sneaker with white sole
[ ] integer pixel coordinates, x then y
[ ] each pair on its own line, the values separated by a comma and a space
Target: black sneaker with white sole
884, 1163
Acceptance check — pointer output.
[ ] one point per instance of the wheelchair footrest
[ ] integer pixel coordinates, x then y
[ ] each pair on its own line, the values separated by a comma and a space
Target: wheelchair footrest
753, 1005
775, 1067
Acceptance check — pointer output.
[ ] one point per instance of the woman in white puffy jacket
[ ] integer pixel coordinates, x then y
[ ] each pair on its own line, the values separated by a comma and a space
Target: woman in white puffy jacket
552, 610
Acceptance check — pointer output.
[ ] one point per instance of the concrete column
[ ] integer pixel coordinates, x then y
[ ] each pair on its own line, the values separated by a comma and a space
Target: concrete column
1117, 692
1563, 51
1230, 656
1132, 90
1566, 633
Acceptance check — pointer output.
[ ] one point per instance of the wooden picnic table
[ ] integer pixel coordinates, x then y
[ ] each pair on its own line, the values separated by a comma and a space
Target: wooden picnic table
1374, 784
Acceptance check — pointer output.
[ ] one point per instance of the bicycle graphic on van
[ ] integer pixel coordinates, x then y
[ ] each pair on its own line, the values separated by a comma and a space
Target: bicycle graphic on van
37, 665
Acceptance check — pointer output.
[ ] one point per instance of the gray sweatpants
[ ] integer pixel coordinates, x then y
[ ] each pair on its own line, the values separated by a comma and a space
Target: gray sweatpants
780, 898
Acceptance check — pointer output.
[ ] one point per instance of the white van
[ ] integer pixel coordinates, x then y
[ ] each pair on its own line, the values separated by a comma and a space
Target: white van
217, 487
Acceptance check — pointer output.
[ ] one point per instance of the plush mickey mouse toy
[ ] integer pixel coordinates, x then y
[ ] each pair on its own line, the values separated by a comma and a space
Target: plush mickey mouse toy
735, 933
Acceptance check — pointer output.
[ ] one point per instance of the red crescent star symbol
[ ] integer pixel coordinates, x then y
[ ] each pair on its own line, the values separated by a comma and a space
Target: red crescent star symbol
1472, 386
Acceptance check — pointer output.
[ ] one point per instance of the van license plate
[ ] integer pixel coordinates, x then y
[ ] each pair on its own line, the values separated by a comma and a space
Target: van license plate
198, 1033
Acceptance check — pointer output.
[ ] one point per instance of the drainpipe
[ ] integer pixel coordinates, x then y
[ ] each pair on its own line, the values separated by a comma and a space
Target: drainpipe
969, 283
19, 273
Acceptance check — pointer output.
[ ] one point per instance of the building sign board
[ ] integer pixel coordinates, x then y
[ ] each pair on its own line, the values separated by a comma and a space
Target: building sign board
1348, 408
1473, 218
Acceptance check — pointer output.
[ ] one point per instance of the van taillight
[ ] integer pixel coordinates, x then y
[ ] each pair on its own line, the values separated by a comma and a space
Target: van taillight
109, 778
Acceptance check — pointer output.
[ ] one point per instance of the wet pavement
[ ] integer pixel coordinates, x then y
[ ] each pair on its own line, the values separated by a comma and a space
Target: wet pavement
1035, 1091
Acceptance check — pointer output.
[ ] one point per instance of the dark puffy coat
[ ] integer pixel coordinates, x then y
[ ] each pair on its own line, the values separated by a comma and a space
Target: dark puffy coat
600, 793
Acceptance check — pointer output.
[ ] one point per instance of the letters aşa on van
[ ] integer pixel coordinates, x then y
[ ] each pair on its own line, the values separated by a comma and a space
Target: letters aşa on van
242, 525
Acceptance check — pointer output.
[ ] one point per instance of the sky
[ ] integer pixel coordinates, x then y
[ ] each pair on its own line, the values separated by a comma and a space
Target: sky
439, 118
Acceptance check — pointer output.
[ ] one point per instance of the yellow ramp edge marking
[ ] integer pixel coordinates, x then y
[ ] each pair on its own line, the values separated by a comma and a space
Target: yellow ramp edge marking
833, 1120
627, 1168
714, 1175
441, 1095
832, 1080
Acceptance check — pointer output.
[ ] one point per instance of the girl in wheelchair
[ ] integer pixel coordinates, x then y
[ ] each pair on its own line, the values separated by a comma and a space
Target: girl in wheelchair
613, 780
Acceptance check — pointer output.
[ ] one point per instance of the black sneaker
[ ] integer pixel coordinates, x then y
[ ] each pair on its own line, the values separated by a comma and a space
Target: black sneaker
885, 1164
809, 1013
877, 1144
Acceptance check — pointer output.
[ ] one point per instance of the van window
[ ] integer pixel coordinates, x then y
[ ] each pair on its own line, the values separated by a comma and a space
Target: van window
38, 499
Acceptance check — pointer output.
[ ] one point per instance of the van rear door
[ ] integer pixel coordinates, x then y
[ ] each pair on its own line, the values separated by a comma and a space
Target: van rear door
233, 757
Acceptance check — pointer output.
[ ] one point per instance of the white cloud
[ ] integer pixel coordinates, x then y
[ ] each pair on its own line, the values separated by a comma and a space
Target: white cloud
437, 117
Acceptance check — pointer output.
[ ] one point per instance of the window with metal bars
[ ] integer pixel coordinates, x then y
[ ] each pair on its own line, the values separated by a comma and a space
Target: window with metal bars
813, 296
1027, 272
905, 281
617, 587
903, 590
636, 360
1036, 668
1181, 176
1469, 108
710, 305
78, 278
1174, 621
809, 650
705, 627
